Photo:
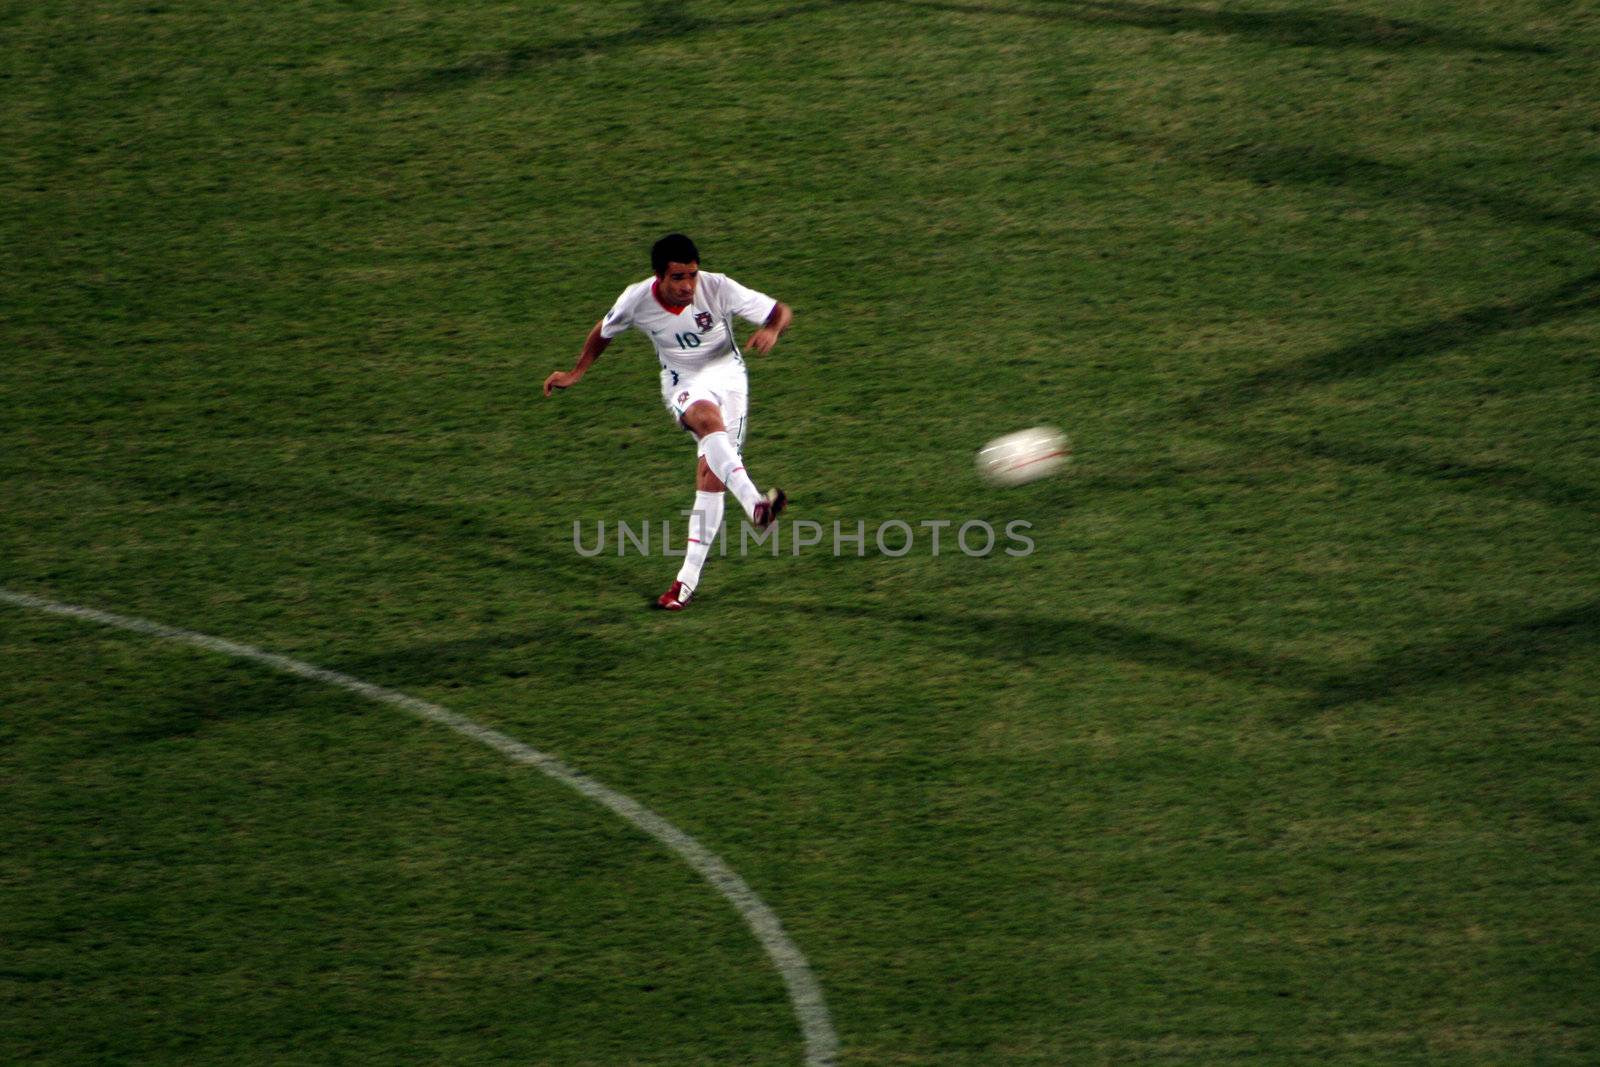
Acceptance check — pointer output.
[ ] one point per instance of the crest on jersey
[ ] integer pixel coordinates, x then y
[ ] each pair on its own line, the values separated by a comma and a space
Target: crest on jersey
683, 396
703, 320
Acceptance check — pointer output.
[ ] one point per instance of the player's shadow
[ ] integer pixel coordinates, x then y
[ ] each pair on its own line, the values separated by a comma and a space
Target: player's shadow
446, 534
1372, 355
1306, 27
560, 652
661, 23
206, 695
1531, 645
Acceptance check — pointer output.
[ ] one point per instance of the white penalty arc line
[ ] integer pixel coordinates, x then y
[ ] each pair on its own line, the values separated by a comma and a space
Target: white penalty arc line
816, 1027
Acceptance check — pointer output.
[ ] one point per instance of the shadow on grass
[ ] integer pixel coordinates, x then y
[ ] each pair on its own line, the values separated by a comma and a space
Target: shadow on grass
1271, 164
1542, 642
1032, 637
1497, 478
202, 697
444, 533
1029, 638
1372, 355
1307, 27
661, 24
1311, 165
560, 652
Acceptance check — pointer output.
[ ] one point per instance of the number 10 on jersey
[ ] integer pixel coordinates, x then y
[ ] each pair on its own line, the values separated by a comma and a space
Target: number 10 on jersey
687, 340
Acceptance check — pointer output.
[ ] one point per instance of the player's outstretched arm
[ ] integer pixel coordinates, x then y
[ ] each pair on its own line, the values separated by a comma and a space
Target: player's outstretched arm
593, 345
777, 322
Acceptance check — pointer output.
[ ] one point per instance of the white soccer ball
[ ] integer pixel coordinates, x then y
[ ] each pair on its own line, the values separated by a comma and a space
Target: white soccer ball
1024, 456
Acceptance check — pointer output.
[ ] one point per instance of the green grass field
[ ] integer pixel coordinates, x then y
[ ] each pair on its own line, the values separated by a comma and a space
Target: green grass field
1282, 747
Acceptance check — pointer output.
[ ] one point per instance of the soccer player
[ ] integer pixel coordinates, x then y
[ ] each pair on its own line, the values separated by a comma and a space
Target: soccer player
688, 314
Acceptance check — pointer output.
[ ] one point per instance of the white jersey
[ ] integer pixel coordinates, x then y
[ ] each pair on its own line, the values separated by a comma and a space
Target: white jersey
696, 335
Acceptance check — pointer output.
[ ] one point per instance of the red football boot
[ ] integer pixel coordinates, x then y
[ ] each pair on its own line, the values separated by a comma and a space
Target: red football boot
676, 598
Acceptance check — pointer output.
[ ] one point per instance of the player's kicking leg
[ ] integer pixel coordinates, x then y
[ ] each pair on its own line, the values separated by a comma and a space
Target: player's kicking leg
704, 420
720, 467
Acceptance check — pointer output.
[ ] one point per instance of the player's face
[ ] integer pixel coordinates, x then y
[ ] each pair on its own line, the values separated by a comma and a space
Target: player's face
678, 282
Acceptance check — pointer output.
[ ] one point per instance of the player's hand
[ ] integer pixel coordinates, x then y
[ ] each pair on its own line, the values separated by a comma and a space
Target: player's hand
762, 340
561, 379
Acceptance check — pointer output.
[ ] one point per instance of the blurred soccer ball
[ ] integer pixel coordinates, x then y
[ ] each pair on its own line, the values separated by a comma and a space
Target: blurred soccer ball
1024, 456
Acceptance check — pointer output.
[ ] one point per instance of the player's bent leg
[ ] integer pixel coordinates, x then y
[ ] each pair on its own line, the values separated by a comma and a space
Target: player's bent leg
726, 464
704, 480
734, 403
722, 457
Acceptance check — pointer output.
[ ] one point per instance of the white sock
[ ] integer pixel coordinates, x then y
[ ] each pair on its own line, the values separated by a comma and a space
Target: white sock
724, 461
703, 527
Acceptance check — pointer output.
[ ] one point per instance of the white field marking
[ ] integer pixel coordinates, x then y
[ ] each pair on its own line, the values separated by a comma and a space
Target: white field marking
816, 1028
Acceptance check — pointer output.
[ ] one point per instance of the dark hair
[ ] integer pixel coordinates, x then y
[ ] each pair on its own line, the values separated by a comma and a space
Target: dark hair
673, 248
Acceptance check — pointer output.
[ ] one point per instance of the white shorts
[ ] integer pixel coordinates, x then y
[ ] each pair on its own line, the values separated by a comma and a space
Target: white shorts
723, 383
